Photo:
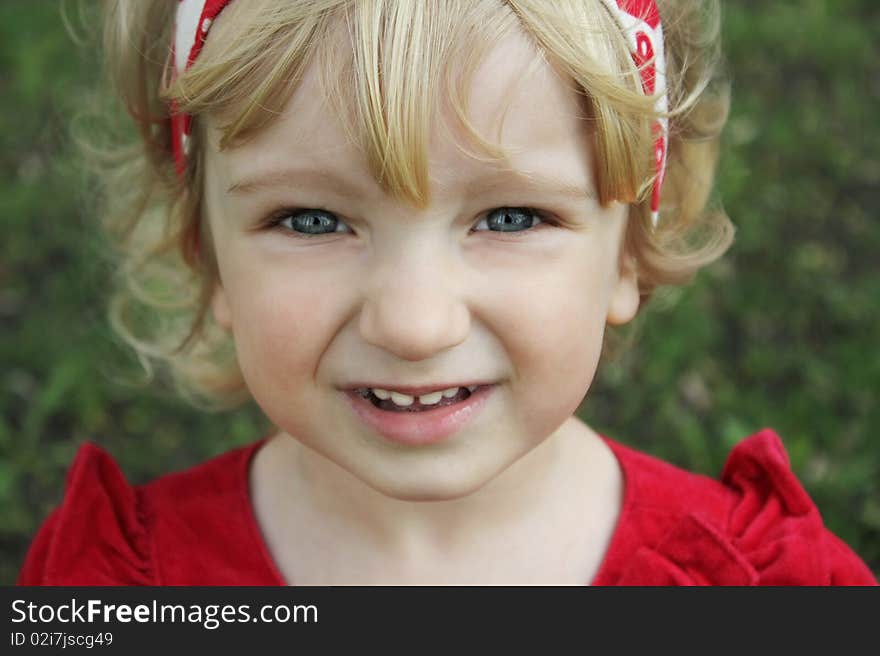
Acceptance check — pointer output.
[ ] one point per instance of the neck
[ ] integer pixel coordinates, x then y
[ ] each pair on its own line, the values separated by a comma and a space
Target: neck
565, 480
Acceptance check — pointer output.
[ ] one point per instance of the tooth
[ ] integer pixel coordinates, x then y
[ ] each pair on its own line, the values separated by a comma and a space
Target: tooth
381, 394
449, 393
471, 388
430, 399
401, 399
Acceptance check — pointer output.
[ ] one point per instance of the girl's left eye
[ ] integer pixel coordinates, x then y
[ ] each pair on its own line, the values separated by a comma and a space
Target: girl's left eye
510, 219
309, 222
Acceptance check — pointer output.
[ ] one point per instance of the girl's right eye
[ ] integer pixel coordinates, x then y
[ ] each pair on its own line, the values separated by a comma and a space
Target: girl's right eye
309, 222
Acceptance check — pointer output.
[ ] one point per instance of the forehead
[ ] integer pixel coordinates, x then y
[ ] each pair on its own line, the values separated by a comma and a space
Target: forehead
514, 98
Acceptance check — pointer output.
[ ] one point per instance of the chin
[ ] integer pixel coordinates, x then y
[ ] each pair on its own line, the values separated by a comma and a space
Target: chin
423, 495
427, 486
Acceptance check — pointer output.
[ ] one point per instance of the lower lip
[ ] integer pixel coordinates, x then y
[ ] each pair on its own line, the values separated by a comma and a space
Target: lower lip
420, 428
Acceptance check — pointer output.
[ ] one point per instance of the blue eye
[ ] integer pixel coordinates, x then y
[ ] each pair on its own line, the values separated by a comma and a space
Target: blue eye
510, 219
310, 222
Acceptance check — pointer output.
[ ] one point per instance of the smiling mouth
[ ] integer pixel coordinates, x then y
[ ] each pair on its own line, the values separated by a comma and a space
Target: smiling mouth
389, 405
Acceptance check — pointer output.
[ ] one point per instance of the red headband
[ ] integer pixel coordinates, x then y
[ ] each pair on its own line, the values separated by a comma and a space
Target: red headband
639, 21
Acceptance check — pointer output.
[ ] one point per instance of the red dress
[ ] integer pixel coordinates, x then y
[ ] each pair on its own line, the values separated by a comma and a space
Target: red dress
757, 526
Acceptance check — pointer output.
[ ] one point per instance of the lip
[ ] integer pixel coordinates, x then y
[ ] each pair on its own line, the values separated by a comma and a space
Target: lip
420, 428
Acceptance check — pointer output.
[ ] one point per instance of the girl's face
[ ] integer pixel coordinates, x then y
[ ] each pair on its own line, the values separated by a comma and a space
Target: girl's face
391, 296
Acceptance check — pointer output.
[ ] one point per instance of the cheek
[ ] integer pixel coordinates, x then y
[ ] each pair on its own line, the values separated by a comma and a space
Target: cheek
554, 325
281, 326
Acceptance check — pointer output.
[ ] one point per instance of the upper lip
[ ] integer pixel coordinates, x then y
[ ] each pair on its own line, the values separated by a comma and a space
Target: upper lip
413, 390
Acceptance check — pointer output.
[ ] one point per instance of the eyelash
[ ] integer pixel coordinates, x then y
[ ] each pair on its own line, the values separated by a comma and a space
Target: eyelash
274, 223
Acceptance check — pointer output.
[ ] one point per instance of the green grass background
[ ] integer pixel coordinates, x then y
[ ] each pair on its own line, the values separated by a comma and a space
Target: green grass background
783, 332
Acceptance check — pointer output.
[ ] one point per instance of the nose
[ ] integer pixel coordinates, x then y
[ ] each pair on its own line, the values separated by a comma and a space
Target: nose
413, 308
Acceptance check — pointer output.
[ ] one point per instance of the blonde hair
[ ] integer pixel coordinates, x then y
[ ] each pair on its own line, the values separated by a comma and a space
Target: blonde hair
403, 56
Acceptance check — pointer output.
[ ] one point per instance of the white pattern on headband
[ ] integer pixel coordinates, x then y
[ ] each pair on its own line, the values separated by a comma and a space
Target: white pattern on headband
639, 20
189, 15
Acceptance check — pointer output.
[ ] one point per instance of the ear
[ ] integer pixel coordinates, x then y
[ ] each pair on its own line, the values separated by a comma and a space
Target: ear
625, 297
220, 307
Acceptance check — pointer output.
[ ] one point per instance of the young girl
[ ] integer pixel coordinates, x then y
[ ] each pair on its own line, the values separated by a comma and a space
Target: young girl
402, 228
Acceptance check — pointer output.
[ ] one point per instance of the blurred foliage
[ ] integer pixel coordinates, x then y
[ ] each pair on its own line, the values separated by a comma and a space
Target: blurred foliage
783, 332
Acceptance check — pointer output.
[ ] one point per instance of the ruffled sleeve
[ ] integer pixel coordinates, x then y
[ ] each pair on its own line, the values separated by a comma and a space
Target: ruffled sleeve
767, 532
776, 525
97, 535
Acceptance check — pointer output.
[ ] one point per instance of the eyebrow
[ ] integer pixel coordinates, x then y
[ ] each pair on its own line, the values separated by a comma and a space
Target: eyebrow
531, 182
327, 179
298, 177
